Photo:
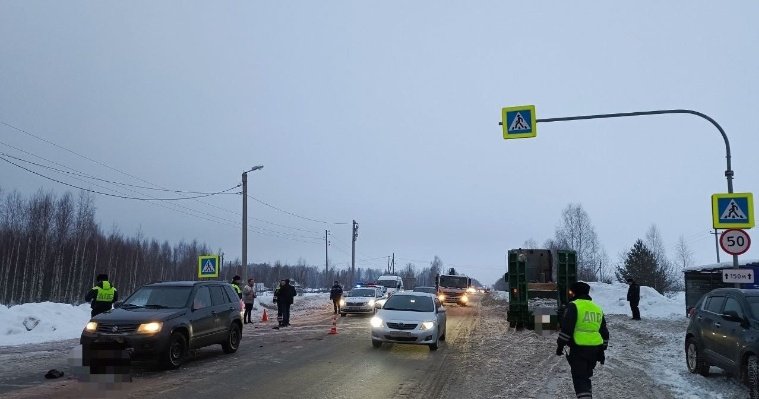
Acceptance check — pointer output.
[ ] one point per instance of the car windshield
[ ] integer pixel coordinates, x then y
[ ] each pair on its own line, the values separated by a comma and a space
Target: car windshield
753, 303
412, 303
365, 292
429, 290
453, 281
388, 283
159, 297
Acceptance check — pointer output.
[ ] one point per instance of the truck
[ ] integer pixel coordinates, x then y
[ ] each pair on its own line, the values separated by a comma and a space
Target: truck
453, 288
699, 280
390, 284
539, 282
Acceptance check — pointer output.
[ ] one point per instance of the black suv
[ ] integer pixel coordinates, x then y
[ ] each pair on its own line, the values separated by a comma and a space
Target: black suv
724, 332
164, 320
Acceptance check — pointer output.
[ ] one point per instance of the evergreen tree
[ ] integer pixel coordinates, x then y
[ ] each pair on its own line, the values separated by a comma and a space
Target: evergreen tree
641, 264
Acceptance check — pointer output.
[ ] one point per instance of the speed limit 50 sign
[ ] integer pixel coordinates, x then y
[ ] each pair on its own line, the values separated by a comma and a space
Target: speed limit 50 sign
735, 241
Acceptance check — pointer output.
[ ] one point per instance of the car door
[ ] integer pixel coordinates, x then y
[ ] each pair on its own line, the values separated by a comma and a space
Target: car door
709, 320
202, 318
441, 316
222, 311
729, 344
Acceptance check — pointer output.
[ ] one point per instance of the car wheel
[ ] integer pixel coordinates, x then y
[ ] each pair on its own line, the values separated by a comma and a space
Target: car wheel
434, 345
695, 359
174, 354
442, 337
752, 367
232, 342
376, 343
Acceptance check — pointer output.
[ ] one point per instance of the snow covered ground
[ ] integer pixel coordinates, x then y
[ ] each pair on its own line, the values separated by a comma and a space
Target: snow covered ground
59, 321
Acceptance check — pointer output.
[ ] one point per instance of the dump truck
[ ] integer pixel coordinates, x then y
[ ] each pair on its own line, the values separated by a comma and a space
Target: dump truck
539, 282
453, 288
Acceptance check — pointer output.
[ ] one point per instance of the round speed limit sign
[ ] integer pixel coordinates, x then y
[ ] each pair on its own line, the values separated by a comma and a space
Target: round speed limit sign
734, 241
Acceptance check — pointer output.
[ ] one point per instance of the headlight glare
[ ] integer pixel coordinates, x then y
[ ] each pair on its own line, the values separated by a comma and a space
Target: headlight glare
150, 328
342, 302
376, 322
427, 325
91, 326
441, 297
464, 299
371, 303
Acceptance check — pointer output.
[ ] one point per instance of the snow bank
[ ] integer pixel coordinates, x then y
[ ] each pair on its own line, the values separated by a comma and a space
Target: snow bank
57, 321
613, 300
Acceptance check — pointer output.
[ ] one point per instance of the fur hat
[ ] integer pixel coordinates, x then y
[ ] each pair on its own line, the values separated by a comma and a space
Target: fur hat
580, 288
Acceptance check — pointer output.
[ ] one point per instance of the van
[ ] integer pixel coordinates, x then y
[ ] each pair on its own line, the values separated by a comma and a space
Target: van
390, 283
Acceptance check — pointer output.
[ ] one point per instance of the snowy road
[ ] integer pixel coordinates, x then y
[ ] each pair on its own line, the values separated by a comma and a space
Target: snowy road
482, 358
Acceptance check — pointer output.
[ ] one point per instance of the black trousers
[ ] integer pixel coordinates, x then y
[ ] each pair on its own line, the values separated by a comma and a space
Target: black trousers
336, 304
635, 310
286, 314
246, 315
582, 362
280, 313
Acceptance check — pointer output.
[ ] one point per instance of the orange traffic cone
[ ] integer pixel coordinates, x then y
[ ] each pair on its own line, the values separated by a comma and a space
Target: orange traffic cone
333, 330
265, 317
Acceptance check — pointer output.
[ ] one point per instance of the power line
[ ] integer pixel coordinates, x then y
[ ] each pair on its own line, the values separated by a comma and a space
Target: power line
291, 213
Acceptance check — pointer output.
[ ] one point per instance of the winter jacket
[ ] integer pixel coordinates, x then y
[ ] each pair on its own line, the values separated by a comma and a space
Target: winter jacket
248, 294
103, 303
286, 294
633, 293
336, 292
568, 323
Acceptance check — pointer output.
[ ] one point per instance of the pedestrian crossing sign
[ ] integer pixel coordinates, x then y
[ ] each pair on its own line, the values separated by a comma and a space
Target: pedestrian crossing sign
733, 211
519, 122
208, 266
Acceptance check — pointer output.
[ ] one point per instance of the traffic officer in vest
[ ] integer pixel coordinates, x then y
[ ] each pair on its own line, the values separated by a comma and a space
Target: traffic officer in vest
583, 329
236, 286
102, 295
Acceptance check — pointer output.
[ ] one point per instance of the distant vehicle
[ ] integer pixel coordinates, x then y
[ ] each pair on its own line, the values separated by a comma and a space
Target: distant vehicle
391, 284
360, 300
453, 288
163, 321
724, 332
429, 290
410, 318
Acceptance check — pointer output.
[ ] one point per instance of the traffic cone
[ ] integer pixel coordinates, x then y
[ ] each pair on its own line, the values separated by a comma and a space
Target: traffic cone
333, 330
265, 317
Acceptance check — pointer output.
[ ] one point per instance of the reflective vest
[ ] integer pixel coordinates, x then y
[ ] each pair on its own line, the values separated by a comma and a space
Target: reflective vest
589, 316
105, 293
237, 289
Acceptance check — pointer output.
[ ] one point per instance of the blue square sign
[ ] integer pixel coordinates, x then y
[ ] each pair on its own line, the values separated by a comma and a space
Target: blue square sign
519, 122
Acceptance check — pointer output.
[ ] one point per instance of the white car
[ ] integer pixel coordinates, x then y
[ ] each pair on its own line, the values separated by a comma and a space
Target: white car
410, 318
360, 300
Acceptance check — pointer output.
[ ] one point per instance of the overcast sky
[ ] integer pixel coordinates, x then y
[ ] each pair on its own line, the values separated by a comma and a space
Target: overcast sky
387, 113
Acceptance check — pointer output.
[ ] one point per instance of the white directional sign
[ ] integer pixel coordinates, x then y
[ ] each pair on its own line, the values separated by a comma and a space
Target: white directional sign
734, 241
738, 276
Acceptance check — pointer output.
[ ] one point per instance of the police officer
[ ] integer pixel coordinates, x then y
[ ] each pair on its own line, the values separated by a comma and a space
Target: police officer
102, 295
236, 286
583, 329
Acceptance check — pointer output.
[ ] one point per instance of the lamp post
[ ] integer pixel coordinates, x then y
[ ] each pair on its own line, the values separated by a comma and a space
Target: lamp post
245, 221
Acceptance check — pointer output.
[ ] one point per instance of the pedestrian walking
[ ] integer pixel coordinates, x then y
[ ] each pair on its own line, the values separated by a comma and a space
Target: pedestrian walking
336, 294
286, 297
279, 303
249, 298
583, 329
102, 295
236, 286
633, 296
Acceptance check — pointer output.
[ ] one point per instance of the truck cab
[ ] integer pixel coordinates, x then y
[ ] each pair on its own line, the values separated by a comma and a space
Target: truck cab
391, 284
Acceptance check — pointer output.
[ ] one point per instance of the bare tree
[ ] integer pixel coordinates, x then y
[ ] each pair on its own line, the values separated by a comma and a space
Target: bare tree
577, 233
683, 259
655, 243
530, 244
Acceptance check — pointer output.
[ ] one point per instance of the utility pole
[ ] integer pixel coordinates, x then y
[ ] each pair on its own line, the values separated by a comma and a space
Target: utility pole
716, 242
388, 265
353, 252
393, 263
326, 257
245, 221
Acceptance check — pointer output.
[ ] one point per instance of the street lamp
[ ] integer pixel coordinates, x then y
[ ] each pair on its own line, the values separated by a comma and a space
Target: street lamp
245, 221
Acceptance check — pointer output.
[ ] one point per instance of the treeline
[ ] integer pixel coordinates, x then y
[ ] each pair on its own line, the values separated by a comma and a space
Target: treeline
52, 248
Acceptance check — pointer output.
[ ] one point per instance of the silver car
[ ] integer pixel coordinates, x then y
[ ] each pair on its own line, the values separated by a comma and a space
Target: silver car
360, 300
410, 318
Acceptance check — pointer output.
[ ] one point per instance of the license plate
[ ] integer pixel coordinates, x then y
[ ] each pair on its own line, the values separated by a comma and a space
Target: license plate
400, 334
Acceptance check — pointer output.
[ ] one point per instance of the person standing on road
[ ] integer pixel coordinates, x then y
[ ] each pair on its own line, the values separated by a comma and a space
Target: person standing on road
279, 303
336, 294
286, 296
633, 296
236, 286
249, 298
583, 329
102, 295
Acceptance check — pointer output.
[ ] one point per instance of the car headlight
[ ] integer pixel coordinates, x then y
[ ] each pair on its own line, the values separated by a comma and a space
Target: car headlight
441, 297
376, 322
371, 303
150, 328
464, 298
91, 326
427, 325
471, 290
342, 302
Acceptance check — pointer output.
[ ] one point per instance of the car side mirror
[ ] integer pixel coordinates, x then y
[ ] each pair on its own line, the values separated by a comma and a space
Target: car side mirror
117, 304
731, 315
